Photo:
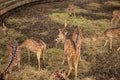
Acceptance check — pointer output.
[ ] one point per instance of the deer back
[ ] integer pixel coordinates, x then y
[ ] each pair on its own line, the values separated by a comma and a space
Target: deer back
112, 32
77, 36
33, 44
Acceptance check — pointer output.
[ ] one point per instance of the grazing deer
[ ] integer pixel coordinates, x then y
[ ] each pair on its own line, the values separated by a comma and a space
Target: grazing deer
4, 29
109, 33
71, 9
70, 50
116, 17
3, 75
77, 38
34, 45
58, 75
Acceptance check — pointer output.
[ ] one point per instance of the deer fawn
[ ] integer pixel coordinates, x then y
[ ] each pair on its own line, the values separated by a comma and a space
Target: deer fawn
70, 50
4, 29
116, 17
33, 45
3, 76
71, 9
58, 75
109, 33
77, 38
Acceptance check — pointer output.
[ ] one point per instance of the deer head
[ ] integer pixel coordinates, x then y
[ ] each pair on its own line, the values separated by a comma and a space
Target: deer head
58, 75
62, 33
71, 9
116, 17
61, 36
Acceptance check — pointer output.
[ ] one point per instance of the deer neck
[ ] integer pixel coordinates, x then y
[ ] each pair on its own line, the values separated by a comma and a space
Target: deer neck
64, 39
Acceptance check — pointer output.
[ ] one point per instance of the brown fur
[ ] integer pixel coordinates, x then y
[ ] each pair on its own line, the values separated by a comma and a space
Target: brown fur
36, 46
58, 75
77, 38
116, 17
109, 33
63, 30
71, 9
70, 50
9, 48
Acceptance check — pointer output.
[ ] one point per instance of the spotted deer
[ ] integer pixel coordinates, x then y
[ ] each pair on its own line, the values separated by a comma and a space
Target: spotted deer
9, 49
12, 62
34, 45
109, 33
77, 38
70, 51
58, 75
116, 17
4, 29
71, 9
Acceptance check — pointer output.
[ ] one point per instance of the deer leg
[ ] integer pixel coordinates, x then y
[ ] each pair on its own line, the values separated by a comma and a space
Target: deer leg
28, 56
113, 19
106, 42
76, 66
70, 66
79, 52
43, 53
19, 65
117, 20
4, 32
56, 44
18, 57
38, 57
63, 60
110, 43
118, 49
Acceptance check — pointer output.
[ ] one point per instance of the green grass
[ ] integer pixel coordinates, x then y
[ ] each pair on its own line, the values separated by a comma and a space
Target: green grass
97, 26
22, 20
98, 62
